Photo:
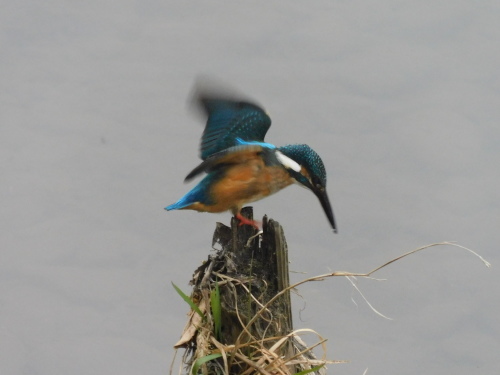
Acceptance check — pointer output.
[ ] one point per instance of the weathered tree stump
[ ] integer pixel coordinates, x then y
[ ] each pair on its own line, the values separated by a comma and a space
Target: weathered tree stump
252, 335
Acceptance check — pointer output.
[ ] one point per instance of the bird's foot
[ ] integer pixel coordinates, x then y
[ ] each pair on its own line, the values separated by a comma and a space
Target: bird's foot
245, 221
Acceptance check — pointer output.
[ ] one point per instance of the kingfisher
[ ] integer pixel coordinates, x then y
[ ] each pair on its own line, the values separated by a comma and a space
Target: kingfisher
240, 167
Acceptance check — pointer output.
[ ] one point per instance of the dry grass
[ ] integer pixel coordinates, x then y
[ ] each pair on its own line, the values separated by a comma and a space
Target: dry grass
249, 354
258, 355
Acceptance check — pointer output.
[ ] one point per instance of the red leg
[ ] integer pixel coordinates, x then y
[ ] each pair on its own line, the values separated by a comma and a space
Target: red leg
243, 220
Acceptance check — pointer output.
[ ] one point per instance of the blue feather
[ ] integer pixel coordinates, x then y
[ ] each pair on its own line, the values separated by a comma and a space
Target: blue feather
228, 120
240, 141
200, 193
308, 158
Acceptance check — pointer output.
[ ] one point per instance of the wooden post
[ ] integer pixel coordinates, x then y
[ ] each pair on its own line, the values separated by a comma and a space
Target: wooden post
248, 270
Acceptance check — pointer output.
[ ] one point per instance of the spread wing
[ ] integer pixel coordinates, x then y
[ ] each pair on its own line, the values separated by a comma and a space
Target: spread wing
228, 120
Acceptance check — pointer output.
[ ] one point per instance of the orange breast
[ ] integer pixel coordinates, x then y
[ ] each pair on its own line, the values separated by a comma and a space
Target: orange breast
243, 183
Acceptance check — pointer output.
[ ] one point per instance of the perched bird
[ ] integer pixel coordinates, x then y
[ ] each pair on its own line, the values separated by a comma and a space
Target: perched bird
240, 167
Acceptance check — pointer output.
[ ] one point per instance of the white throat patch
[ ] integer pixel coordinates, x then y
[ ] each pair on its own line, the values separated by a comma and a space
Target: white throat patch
287, 162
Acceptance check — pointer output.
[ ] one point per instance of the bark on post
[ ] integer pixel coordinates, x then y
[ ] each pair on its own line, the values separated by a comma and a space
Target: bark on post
247, 270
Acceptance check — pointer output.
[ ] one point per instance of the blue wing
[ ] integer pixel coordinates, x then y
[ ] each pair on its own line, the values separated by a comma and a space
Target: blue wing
229, 120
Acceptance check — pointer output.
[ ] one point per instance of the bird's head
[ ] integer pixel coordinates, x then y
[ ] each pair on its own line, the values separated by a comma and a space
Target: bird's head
307, 168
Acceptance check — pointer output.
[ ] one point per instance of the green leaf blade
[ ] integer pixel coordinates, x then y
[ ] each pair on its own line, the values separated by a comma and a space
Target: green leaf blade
315, 368
189, 301
202, 360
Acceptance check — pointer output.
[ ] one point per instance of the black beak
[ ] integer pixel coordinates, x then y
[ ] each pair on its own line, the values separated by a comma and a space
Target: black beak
325, 203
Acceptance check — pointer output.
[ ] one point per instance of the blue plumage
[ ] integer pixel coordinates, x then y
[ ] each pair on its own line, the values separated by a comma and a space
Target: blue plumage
242, 142
241, 167
228, 120
308, 158
200, 193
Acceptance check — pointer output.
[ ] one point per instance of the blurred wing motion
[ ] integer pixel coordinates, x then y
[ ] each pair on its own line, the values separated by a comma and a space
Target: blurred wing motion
240, 166
229, 120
